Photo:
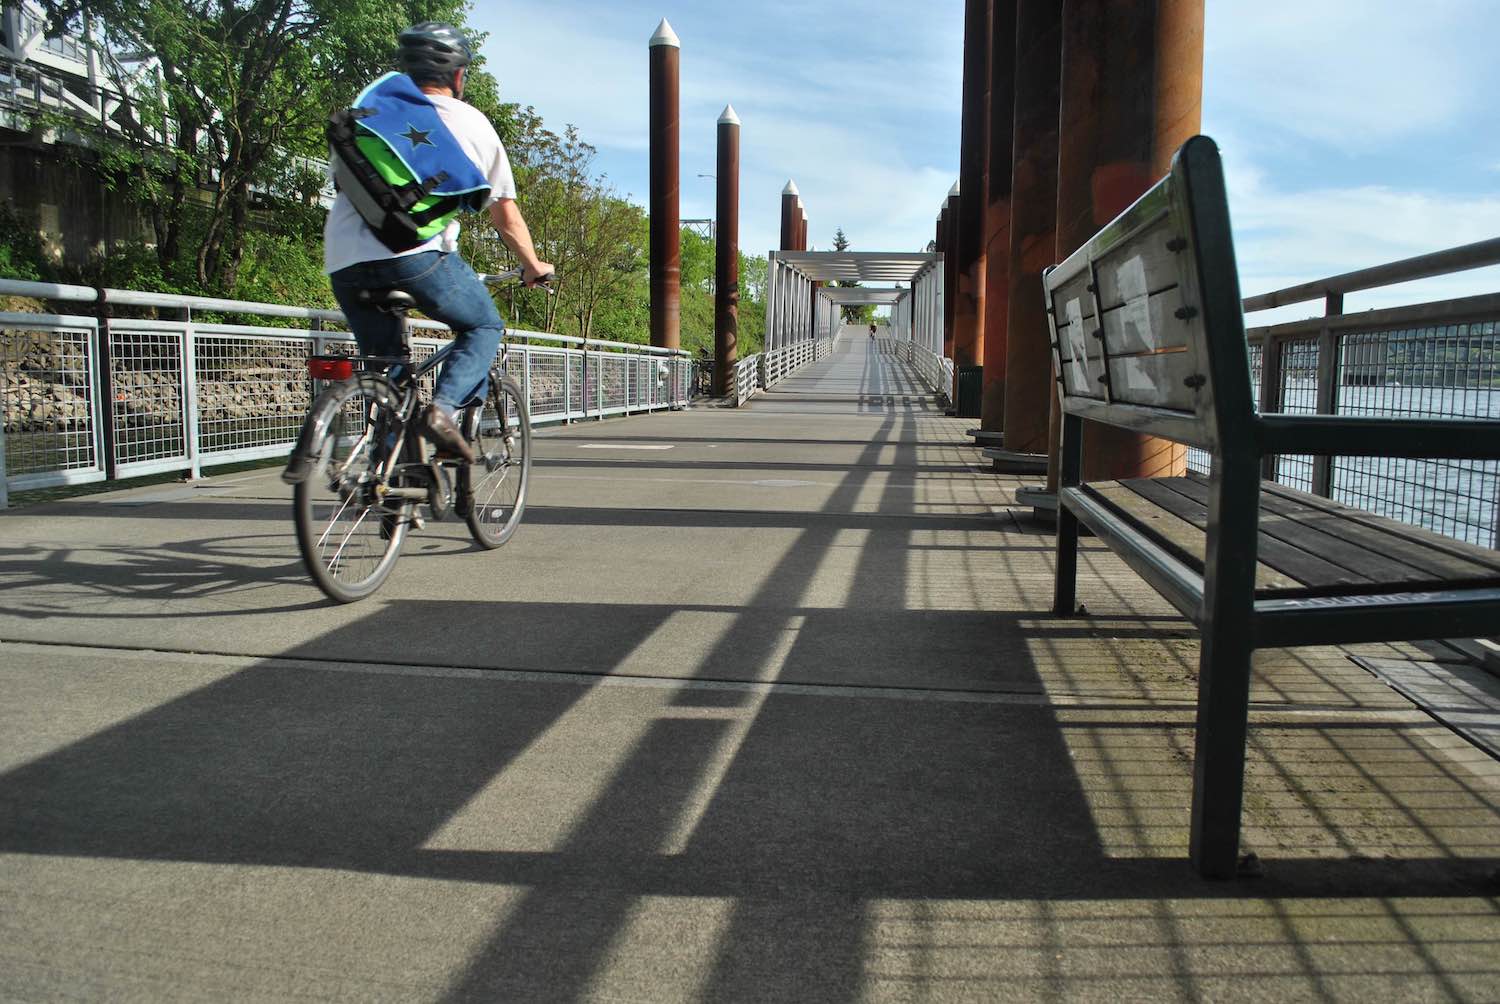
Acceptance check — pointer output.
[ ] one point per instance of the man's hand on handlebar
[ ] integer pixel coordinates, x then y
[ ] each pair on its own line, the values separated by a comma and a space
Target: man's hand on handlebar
541, 275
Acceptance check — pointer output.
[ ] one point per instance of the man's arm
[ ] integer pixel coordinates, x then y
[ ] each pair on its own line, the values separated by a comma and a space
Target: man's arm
517, 236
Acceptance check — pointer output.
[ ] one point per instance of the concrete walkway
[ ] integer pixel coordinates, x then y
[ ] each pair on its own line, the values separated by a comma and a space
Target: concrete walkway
758, 705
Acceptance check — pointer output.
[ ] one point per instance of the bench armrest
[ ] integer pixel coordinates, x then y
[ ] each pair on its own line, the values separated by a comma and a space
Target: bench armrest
1362, 436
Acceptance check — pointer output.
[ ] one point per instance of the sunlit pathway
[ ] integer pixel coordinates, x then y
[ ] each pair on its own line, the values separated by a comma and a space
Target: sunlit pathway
759, 704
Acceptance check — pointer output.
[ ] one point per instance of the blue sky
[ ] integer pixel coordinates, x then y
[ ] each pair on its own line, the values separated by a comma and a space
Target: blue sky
1354, 131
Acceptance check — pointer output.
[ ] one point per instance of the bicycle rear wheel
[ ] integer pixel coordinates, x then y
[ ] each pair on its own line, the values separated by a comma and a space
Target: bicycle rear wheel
349, 535
492, 490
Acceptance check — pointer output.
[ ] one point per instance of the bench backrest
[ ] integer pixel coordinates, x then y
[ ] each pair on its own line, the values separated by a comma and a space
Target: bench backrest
1147, 330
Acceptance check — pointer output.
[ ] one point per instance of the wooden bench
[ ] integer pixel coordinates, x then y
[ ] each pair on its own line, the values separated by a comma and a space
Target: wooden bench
1148, 334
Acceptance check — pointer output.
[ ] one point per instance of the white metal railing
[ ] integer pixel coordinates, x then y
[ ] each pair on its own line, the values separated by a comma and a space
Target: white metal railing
85, 396
936, 371
766, 369
746, 379
782, 362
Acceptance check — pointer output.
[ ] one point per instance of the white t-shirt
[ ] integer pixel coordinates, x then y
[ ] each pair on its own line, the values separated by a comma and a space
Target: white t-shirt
347, 240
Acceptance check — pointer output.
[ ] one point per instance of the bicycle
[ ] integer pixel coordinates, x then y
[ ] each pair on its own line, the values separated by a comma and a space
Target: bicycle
360, 470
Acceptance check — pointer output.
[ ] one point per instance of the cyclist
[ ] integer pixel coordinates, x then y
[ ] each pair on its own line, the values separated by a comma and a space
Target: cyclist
436, 57
872, 329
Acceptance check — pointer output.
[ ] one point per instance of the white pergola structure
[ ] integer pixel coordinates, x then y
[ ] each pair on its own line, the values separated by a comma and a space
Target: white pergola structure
798, 310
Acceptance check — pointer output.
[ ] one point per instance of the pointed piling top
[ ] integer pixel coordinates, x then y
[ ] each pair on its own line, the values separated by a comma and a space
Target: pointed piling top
729, 117
664, 36
799, 206
790, 189
953, 192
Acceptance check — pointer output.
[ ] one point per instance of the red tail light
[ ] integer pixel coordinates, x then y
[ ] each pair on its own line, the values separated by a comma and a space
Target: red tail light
330, 368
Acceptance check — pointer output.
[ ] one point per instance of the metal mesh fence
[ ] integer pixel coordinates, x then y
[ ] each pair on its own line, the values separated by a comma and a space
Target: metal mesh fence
614, 371
546, 375
576, 390
639, 373
1440, 371
252, 393
46, 393
184, 394
146, 372
1451, 371
1298, 395
1198, 460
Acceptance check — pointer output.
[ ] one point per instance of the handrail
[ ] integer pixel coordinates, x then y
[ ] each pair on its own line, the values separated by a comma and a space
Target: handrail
1456, 311
181, 301
1457, 259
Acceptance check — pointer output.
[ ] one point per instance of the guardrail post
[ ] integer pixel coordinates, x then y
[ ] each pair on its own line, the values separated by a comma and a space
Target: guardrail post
567, 401
1271, 366
1328, 390
190, 399
526, 376
106, 388
4, 490
318, 346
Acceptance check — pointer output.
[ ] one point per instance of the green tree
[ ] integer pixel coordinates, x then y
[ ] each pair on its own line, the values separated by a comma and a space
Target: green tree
244, 86
852, 315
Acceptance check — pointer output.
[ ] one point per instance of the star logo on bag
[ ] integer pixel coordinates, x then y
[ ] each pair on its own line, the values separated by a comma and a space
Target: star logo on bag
416, 137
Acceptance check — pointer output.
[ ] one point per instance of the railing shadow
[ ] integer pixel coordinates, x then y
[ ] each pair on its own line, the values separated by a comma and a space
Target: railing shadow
828, 799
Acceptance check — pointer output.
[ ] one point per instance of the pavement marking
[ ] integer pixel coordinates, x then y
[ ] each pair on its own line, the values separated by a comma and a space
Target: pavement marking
625, 446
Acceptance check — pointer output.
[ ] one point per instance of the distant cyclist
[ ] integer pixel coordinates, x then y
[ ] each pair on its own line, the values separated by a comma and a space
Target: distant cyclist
436, 57
872, 329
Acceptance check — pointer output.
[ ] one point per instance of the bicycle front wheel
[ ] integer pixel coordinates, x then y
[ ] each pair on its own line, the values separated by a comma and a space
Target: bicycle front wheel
349, 534
492, 490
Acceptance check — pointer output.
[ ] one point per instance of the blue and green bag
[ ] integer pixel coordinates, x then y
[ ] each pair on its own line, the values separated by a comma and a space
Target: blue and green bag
400, 167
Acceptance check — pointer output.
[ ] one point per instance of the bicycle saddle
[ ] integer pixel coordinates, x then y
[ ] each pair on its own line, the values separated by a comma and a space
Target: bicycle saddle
389, 298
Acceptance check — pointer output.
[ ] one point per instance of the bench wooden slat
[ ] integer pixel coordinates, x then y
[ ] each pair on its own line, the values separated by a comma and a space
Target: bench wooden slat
1330, 536
1443, 556
1187, 539
1307, 570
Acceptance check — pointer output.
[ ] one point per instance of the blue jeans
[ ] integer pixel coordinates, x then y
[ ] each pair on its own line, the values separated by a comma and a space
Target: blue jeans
447, 290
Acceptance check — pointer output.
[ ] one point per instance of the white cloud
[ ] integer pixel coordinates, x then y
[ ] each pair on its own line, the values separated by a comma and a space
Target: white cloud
1350, 72
1285, 237
863, 112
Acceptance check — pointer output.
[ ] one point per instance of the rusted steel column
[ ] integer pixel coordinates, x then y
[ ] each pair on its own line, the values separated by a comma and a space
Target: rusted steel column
789, 217
951, 228
801, 226
666, 237
1001, 107
727, 253
968, 312
1029, 390
1132, 88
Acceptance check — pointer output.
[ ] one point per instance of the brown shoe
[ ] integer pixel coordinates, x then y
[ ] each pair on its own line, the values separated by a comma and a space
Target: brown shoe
442, 433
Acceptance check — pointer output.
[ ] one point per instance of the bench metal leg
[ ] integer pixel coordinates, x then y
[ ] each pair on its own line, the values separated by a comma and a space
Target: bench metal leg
1070, 467
1065, 588
1219, 757
1224, 668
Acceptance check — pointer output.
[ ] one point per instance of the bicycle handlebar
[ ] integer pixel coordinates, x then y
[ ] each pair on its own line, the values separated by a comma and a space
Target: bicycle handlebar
517, 273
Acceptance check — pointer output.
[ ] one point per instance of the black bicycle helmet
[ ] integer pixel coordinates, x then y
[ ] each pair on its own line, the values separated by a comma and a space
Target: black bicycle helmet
433, 50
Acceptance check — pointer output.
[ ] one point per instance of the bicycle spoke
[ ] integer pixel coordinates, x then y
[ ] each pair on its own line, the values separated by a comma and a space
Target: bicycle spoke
348, 535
